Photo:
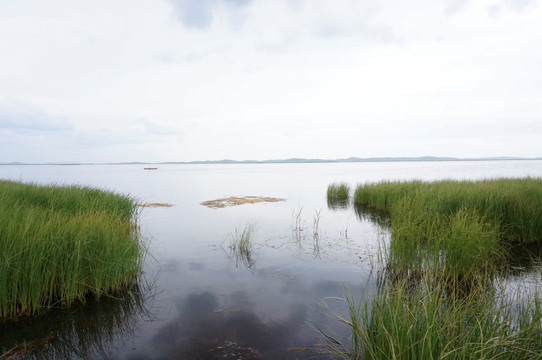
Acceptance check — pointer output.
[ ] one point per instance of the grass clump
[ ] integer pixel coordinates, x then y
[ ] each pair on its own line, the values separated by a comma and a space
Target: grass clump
60, 244
241, 246
338, 191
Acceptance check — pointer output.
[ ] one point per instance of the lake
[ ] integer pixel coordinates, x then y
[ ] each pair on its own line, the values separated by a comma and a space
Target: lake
201, 300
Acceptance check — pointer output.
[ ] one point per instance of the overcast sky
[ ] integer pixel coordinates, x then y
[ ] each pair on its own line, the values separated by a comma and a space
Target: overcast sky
182, 80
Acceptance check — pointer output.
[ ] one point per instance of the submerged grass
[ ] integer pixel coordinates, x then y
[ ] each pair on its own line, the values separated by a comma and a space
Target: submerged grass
60, 244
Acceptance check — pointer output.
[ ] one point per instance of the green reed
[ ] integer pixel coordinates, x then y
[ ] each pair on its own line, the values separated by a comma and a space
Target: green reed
461, 229
241, 246
338, 191
514, 204
60, 244
438, 293
417, 321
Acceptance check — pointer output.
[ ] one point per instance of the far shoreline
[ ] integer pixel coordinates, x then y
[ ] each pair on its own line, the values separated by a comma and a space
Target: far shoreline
288, 161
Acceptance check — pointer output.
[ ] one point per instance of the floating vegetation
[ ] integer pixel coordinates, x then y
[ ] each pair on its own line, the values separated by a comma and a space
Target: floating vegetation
61, 244
156, 205
234, 201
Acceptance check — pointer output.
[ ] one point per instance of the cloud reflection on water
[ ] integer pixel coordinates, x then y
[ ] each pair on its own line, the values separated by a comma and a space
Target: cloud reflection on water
213, 328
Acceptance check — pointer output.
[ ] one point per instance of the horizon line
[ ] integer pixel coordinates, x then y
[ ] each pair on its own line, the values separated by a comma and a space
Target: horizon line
288, 160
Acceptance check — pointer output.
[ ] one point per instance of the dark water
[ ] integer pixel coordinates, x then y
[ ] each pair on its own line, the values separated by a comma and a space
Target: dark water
199, 300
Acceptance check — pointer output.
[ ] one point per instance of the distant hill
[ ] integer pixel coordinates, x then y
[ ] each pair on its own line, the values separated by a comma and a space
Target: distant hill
350, 159
295, 160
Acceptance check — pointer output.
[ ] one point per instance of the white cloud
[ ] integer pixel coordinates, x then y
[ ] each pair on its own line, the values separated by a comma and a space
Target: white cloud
191, 80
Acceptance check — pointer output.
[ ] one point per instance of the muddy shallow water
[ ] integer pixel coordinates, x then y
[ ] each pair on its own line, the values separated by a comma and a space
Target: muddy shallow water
198, 300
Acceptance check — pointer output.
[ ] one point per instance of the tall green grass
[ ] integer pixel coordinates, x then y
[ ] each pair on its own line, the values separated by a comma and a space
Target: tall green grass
461, 229
410, 322
514, 204
60, 244
338, 191
338, 196
241, 246
439, 294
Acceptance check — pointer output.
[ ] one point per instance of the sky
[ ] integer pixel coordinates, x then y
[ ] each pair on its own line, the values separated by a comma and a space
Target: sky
185, 80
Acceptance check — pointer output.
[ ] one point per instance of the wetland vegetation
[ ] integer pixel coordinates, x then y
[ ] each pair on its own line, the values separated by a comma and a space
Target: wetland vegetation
62, 244
440, 292
433, 274
337, 191
241, 246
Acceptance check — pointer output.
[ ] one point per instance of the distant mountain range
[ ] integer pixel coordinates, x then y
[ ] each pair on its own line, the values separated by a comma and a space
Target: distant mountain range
350, 159
295, 160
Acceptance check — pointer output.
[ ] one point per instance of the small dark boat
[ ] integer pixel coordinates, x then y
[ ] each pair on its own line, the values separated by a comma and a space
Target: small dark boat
150, 168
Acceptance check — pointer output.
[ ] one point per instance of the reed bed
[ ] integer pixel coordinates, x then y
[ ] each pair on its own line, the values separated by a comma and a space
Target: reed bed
406, 321
514, 204
60, 244
460, 229
439, 294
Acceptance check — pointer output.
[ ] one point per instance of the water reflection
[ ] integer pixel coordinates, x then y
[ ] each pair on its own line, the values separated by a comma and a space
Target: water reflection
337, 204
380, 218
228, 327
86, 331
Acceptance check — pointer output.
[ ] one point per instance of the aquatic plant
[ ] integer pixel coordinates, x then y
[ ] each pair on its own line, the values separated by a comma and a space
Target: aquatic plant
241, 246
61, 244
316, 224
438, 294
514, 204
461, 229
406, 321
338, 192
298, 224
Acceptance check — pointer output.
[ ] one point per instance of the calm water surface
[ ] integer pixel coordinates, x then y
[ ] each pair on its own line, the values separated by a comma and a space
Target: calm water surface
200, 300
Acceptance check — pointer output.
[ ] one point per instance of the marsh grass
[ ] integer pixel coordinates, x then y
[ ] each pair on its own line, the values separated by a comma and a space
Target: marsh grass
439, 295
338, 196
338, 191
298, 224
514, 205
402, 321
241, 246
61, 244
461, 229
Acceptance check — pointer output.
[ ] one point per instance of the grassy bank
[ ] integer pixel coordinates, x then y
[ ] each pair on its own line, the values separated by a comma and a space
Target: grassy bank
439, 295
60, 244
